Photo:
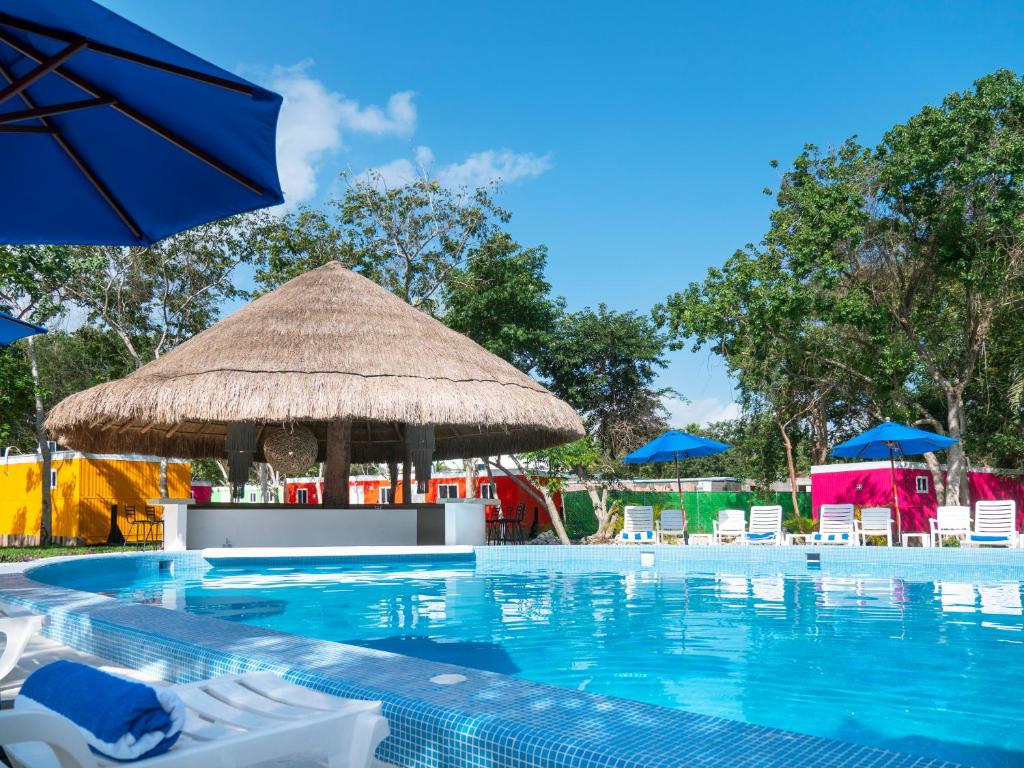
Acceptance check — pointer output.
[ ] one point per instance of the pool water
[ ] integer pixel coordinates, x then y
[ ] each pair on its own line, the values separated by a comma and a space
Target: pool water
933, 668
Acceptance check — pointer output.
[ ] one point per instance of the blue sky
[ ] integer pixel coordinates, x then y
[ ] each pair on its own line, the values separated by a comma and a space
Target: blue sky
634, 139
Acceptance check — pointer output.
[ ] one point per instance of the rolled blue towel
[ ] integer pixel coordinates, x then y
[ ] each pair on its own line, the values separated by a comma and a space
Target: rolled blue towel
119, 718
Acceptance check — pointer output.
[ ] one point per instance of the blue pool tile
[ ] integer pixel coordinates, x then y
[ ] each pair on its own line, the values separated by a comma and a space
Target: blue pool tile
490, 720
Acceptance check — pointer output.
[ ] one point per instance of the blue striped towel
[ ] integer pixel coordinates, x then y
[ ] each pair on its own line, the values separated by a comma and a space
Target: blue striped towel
119, 718
983, 538
830, 537
641, 536
761, 536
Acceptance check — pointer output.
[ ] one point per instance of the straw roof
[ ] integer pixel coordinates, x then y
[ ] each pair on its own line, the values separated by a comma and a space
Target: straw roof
329, 344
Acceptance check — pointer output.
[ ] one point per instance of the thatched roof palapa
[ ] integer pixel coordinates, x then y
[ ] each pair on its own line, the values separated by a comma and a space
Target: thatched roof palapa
328, 345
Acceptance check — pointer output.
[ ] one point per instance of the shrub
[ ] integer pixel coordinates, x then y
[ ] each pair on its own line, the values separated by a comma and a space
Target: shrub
799, 524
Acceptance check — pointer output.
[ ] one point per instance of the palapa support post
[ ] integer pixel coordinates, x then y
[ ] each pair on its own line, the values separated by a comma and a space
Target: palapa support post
337, 463
393, 476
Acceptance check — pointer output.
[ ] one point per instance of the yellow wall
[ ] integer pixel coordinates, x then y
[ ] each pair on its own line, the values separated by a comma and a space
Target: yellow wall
86, 489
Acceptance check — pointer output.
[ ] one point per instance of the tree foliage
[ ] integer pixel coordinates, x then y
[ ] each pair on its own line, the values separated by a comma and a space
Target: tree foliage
413, 239
605, 364
502, 300
885, 279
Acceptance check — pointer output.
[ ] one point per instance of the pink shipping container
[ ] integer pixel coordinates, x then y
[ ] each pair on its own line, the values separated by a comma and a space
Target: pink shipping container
202, 491
869, 484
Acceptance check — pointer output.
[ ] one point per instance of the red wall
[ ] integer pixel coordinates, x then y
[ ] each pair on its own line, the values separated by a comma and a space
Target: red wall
510, 495
840, 487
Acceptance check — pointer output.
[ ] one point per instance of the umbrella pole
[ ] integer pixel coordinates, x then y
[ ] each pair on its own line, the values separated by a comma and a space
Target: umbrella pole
679, 489
895, 496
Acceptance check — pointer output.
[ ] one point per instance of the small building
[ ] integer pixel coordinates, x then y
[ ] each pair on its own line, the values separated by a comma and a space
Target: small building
252, 493
869, 484
88, 492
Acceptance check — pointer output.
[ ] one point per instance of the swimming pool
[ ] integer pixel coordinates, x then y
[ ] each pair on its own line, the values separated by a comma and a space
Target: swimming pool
930, 663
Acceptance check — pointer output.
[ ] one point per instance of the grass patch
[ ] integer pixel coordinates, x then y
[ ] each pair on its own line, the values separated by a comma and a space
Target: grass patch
22, 554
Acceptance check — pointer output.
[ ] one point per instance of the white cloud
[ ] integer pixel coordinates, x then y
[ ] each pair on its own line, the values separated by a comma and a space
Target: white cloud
494, 165
313, 119
478, 170
399, 118
700, 412
401, 171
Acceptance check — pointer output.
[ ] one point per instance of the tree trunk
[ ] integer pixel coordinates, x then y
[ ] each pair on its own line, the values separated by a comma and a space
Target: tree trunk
540, 494
46, 507
261, 474
469, 465
819, 419
938, 481
957, 489
791, 465
339, 459
600, 504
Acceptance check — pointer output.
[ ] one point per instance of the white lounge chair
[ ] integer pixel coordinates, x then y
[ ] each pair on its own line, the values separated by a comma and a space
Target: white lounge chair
731, 525
995, 524
835, 525
671, 524
765, 525
950, 522
638, 526
17, 629
237, 720
875, 521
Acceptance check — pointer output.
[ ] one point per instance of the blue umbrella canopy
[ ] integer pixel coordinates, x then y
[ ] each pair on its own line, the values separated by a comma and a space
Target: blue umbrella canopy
890, 438
110, 135
12, 329
675, 445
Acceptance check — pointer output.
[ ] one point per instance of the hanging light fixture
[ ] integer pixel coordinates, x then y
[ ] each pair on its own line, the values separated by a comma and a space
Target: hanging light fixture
292, 450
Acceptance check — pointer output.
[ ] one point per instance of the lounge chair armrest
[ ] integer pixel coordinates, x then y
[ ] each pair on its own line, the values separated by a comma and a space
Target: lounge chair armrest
17, 631
359, 742
48, 728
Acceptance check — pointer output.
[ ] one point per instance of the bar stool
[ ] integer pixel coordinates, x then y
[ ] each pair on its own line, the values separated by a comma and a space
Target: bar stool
512, 527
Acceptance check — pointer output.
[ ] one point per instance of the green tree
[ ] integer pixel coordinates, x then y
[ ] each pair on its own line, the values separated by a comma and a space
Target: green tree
502, 300
413, 239
885, 276
605, 364
31, 282
156, 297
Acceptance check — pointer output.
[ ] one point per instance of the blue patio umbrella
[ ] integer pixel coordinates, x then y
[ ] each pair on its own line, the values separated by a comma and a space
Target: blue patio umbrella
110, 135
673, 446
888, 440
12, 329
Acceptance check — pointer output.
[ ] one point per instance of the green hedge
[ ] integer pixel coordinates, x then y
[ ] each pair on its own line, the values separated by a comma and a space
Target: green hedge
701, 507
